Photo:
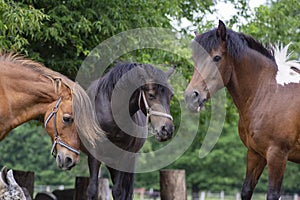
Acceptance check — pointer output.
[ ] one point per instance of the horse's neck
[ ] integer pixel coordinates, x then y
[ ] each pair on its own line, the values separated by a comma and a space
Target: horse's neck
252, 78
107, 118
107, 109
25, 95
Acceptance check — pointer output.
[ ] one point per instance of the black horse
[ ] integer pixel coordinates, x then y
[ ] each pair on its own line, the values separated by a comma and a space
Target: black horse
149, 102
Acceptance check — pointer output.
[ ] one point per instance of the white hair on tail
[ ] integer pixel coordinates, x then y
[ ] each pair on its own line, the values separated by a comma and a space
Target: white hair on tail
285, 73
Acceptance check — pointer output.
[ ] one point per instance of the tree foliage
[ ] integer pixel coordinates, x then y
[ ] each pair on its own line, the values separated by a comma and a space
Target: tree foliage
276, 23
60, 34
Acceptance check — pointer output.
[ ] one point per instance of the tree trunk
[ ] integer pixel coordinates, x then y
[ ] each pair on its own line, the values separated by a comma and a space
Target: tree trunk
172, 185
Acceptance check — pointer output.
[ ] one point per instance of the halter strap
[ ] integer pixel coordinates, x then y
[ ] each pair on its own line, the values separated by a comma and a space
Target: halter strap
149, 110
57, 139
53, 112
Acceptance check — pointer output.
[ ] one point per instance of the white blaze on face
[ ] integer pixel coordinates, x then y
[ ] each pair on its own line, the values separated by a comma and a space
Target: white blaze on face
285, 72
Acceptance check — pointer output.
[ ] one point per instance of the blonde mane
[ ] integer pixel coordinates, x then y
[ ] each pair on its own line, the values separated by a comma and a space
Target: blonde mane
84, 114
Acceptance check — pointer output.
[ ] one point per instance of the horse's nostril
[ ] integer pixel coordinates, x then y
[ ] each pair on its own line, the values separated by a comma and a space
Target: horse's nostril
195, 94
68, 161
163, 128
167, 129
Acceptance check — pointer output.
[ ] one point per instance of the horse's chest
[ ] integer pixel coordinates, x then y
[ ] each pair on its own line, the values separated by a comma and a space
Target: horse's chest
255, 132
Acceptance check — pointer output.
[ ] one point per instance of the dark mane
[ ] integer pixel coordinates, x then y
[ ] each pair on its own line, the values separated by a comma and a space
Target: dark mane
236, 43
108, 82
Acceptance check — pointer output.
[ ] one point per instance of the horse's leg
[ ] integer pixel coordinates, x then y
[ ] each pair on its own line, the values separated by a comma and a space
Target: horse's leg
276, 161
123, 183
94, 166
255, 166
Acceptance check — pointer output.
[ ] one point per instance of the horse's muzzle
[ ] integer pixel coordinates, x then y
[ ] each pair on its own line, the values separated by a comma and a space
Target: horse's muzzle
165, 133
65, 161
194, 100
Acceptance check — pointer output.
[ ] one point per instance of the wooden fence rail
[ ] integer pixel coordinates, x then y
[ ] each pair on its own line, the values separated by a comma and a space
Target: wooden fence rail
172, 187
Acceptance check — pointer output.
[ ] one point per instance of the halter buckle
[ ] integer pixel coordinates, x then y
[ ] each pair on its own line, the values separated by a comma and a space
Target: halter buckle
54, 110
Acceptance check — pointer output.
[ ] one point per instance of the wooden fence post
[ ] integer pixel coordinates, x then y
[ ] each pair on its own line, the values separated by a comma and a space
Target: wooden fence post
66, 194
195, 192
103, 189
25, 180
202, 197
172, 185
45, 196
81, 184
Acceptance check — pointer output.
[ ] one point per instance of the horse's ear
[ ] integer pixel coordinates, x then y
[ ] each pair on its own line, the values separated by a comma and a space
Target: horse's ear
170, 71
221, 31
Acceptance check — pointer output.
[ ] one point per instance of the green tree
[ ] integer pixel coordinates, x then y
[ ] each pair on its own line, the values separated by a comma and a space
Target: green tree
60, 34
276, 23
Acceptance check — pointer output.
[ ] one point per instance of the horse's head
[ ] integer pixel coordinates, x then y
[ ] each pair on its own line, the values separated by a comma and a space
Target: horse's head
60, 125
154, 100
212, 67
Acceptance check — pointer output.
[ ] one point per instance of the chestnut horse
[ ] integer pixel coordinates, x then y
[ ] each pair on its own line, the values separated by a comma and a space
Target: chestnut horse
148, 100
269, 110
29, 90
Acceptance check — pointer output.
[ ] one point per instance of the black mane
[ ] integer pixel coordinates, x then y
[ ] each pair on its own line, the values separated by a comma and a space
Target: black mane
236, 43
108, 82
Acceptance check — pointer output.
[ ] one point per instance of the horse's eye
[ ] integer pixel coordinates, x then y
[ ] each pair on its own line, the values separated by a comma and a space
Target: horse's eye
217, 58
67, 118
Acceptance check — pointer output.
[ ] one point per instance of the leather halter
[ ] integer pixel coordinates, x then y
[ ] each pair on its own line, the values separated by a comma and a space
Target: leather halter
57, 139
149, 110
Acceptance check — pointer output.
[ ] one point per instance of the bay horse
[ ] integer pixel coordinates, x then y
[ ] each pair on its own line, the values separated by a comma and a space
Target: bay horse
149, 102
29, 90
269, 111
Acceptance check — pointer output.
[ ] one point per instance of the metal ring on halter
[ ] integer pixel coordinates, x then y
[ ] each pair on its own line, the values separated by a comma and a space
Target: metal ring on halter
57, 139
